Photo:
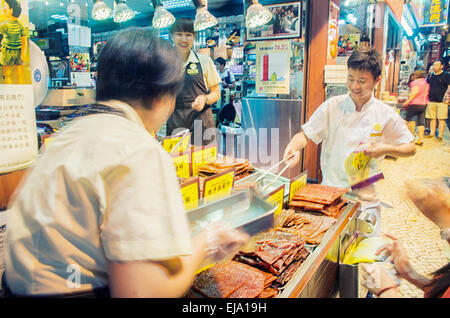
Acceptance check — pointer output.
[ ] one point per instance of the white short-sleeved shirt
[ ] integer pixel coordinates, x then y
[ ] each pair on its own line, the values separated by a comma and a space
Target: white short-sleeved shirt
340, 128
103, 190
210, 74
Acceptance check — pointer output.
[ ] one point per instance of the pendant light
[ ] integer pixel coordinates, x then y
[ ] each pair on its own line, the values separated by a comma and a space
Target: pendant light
122, 12
162, 18
100, 11
203, 18
257, 14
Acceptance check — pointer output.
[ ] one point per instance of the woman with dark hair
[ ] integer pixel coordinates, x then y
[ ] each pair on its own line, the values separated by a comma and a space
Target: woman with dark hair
416, 104
200, 88
101, 212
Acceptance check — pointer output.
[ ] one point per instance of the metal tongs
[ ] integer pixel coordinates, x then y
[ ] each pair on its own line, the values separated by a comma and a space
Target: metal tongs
290, 158
184, 133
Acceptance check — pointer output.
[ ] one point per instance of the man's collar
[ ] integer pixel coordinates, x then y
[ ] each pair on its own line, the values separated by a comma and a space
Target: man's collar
364, 107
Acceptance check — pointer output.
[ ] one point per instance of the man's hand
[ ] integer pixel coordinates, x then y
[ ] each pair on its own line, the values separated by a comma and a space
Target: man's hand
199, 103
376, 150
297, 143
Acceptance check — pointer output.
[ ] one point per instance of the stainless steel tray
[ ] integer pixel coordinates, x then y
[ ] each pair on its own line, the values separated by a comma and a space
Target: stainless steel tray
244, 210
265, 181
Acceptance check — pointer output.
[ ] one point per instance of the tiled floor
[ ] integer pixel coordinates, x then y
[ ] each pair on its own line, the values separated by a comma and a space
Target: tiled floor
419, 236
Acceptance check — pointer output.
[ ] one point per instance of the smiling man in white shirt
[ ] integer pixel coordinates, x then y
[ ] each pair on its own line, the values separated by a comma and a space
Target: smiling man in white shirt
343, 122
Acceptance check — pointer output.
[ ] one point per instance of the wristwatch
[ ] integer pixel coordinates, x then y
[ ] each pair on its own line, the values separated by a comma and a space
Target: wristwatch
445, 233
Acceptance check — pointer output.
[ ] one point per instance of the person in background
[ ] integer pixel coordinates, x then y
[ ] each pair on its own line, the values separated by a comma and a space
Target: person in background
431, 202
343, 122
227, 77
14, 43
200, 90
101, 213
436, 109
416, 104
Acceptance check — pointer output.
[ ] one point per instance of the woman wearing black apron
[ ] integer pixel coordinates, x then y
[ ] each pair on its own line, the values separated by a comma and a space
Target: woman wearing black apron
200, 89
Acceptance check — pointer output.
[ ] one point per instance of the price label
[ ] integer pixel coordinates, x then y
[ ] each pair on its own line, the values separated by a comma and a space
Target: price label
218, 186
169, 142
190, 191
297, 183
182, 165
209, 153
276, 198
196, 158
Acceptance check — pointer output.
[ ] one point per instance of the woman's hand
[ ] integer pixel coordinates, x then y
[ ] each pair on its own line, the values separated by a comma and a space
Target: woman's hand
397, 256
376, 277
430, 201
199, 103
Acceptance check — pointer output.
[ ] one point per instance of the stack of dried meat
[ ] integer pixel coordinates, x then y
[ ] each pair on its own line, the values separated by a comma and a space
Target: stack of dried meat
242, 167
233, 280
278, 253
319, 198
308, 226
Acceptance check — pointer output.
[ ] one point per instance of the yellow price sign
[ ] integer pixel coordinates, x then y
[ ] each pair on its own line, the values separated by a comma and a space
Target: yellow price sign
276, 198
209, 153
190, 191
297, 183
169, 142
218, 186
196, 158
182, 164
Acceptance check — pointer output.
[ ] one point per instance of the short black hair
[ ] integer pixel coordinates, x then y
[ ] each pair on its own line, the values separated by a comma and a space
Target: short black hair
136, 64
15, 6
221, 60
183, 25
366, 60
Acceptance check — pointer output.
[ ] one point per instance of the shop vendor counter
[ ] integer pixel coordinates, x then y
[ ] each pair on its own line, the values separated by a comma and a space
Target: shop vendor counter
318, 276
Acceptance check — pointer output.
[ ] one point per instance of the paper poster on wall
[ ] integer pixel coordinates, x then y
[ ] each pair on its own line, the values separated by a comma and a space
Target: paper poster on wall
18, 142
79, 62
273, 67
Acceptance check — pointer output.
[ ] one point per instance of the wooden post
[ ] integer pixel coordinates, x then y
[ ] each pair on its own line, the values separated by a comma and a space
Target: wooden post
8, 183
315, 89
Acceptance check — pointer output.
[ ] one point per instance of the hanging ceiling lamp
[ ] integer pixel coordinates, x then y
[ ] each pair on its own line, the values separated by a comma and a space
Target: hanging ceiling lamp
257, 14
203, 19
161, 18
100, 11
122, 12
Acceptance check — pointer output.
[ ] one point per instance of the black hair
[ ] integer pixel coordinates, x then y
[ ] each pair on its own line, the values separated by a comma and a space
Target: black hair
138, 65
221, 60
440, 283
183, 25
366, 60
15, 6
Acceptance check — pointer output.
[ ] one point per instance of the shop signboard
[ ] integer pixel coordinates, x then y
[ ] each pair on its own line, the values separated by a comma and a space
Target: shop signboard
435, 13
273, 67
18, 142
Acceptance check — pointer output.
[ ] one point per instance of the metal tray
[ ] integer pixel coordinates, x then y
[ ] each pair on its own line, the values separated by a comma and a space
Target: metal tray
243, 210
265, 181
